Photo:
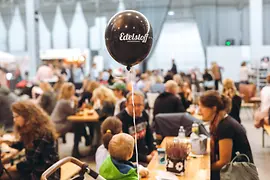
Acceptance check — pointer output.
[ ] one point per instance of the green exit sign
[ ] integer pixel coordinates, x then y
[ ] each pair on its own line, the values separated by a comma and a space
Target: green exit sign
229, 42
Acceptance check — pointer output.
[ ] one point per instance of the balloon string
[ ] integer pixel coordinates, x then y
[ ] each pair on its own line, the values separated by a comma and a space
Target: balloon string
134, 123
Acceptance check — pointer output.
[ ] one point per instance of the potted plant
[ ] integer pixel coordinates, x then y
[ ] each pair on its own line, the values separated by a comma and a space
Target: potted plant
177, 153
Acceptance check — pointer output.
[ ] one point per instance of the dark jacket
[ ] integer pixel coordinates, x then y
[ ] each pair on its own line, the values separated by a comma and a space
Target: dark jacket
186, 103
236, 105
40, 157
145, 140
174, 69
106, 111
85, 95
48, 101
168, 103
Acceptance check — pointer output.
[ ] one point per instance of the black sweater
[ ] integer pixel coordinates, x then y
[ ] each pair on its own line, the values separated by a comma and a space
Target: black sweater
236, 105
168, 103
144, 134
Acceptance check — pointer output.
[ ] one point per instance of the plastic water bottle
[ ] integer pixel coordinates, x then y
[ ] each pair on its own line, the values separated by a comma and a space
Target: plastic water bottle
195, 128
181, 133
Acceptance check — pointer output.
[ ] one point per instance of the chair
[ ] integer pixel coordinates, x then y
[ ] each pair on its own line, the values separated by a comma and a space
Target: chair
74, 173
248, 91
168, 124
151, 98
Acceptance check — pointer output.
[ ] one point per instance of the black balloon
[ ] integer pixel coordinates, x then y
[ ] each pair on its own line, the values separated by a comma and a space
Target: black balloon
129, 37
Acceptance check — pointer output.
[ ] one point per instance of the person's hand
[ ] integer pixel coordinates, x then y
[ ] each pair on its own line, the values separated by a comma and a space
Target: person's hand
144, 172
153, 153
12, 168
149, 158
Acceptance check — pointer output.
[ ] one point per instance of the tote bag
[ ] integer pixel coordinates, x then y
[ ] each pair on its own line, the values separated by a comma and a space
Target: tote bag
239, 170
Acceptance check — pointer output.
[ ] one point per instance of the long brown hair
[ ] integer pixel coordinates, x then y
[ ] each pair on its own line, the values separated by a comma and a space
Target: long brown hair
212, 99
37, 122
110, 126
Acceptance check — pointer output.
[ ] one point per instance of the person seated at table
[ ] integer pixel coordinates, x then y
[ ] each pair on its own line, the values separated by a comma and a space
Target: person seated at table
158, 86
87, 93
185, 93
230, 91
38, 136
47, 100
116, 166
104, 102
145, 140
109, 127
119, 89
227, 135
261, 115
57, 86
66, 106
168, 102
6, 119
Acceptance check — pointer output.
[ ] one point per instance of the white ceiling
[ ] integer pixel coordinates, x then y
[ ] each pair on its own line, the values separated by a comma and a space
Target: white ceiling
47, 6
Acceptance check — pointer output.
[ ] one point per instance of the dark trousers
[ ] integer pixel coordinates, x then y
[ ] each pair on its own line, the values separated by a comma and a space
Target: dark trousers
216, 84
79, 131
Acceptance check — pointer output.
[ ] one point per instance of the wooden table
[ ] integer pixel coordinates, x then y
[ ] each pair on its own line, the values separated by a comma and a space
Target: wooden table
94, 117
196, 168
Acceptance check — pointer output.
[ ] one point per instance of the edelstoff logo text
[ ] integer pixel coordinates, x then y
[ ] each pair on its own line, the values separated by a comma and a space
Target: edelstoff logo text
133, 37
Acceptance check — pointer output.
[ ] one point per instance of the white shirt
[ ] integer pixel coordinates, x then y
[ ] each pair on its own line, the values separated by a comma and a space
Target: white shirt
265, 98
101, 154
244, 73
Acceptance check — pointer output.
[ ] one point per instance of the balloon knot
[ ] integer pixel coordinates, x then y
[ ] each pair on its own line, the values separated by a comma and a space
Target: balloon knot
128, 68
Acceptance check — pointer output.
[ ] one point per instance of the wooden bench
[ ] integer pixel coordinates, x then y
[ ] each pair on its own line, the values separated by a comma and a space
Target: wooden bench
265, 129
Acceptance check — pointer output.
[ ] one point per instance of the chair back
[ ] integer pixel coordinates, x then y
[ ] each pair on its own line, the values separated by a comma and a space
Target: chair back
168, 124
248, 91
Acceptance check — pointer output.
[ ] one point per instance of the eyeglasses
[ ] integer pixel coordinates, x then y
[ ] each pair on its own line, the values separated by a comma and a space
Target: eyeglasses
136, 105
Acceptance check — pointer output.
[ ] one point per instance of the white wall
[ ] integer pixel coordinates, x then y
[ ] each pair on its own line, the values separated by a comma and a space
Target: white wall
17, 33
180, 41
59, 31
230, 58
3, 34
79, 29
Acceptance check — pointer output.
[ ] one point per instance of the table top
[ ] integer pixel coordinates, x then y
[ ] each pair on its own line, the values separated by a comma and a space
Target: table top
255, 99
196, 168
94, 117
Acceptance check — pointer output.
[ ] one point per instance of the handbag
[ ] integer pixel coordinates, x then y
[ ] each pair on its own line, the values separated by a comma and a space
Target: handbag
239, 170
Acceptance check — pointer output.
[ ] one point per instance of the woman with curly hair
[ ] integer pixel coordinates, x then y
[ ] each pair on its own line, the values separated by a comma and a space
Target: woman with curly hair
37, 135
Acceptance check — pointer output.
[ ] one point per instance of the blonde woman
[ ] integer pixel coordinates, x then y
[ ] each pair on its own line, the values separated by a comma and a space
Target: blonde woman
66, 106
38, 136
47, 100
104, 102
230, 91
87, 93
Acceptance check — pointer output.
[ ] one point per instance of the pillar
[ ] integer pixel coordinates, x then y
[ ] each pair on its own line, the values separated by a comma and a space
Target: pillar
32, 20
256, 29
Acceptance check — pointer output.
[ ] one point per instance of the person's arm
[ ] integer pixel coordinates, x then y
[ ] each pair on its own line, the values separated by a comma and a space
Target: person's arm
18, 145
225, 154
